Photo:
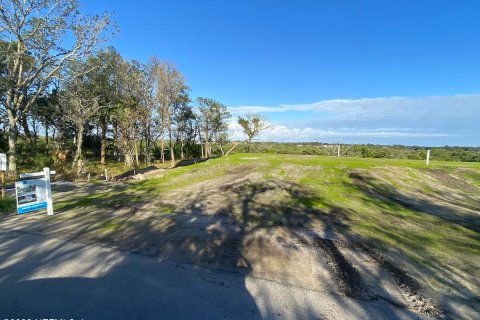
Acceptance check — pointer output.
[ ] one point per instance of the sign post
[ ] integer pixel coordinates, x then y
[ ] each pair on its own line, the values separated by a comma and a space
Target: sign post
48, 191
3, 169
2, 177
428, 157
34, 192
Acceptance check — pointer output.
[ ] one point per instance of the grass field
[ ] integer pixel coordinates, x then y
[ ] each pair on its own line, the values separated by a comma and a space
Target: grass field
426, 219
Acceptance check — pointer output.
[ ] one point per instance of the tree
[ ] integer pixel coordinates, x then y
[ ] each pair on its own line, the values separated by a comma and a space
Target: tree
185, 127
104, 79
149, 117
131, 108
212, 116
37, 32
79, 102
171, 93
63, 129
252, 124
103, 83
42, 110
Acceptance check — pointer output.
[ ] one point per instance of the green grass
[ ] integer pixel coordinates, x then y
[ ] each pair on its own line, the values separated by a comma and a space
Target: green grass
112, 225
421, 236
7, 205
80, 201
166, 209
365, 211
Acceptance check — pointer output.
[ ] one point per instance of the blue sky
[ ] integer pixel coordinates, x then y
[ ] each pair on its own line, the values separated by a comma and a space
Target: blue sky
334, 71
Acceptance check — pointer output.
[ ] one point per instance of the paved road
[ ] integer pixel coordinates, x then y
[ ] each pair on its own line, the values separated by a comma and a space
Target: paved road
42, 277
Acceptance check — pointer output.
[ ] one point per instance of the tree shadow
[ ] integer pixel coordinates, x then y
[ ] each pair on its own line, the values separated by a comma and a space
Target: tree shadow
373, 188
106, 284
386, 197
249, 235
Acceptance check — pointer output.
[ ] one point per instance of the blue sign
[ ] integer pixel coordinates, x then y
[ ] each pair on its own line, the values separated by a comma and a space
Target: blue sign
32, 207
31, 195
34, 192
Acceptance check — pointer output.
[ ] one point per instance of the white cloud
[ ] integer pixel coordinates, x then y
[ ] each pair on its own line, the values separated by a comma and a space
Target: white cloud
434, 120
282, 133
372, 106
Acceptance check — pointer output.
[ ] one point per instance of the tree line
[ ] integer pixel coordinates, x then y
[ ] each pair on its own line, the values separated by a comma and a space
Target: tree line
60, 82
446, 153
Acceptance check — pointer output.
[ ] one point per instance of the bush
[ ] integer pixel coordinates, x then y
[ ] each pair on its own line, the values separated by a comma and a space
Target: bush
7, 205
466, 154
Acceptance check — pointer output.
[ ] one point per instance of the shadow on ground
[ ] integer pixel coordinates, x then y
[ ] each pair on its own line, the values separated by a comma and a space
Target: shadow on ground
48, 278
456, 208
260, 229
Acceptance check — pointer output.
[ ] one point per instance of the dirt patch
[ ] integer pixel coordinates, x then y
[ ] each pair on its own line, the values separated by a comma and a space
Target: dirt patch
130, 173
349, 280
451, 181
241, 169
252, 220
155, 173
450, 211
408, 284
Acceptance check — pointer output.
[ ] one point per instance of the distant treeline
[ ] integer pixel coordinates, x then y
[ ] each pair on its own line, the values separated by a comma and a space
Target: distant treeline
467, 154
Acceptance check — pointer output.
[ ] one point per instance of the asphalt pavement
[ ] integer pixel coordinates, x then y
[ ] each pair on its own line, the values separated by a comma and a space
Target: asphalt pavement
44, 277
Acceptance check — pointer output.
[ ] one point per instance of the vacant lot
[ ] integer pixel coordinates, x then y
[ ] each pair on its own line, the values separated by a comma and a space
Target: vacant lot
391, 230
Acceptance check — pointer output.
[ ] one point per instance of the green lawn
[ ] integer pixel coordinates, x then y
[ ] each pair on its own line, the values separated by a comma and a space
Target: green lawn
7, 205
425, 216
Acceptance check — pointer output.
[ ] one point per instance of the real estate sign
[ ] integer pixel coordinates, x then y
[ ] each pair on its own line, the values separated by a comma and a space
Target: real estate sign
34, 192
